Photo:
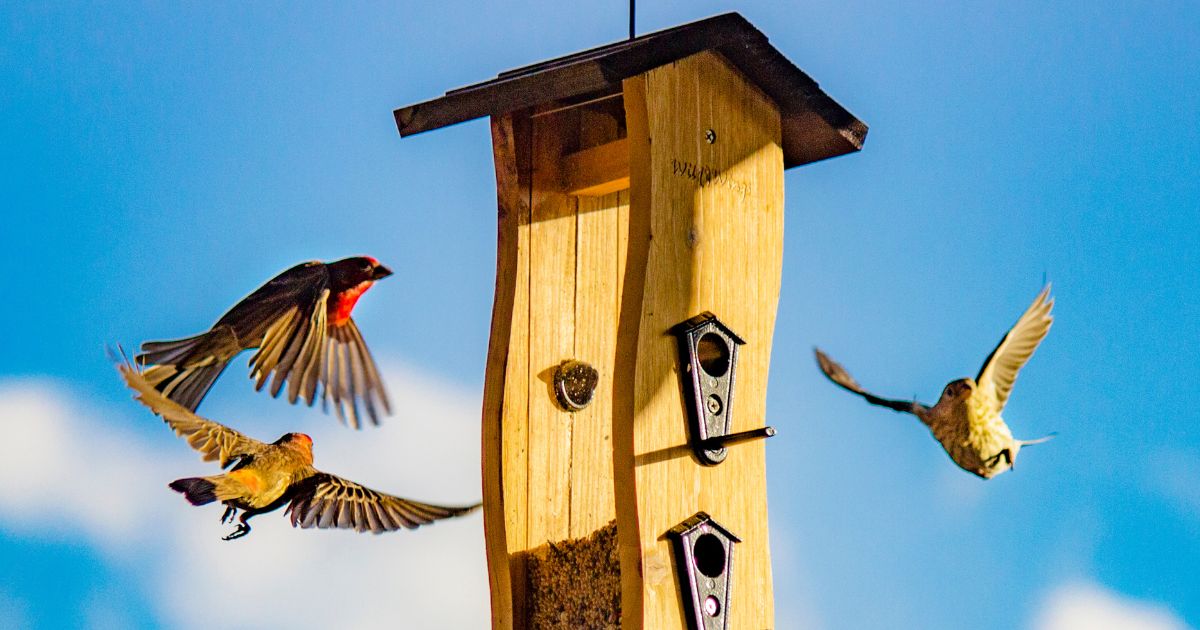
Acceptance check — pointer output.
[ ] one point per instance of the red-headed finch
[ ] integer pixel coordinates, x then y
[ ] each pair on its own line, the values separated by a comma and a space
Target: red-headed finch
300, 323
966, 420
265, 477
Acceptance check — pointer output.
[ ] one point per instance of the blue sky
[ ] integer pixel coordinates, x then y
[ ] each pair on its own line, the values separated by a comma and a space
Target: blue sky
157, 162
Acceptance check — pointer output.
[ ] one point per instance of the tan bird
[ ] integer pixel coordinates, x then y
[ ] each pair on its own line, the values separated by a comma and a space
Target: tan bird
966, 420
264, 477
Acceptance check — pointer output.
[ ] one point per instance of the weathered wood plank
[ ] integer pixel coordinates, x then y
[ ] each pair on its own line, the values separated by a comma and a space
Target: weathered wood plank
598, 171
547, 472
596, 303
709, 218
507, 350
815, 127
552, 325
633, 277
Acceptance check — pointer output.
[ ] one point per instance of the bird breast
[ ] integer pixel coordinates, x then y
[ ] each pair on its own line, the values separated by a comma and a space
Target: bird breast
270, 475
342, 304
972, 436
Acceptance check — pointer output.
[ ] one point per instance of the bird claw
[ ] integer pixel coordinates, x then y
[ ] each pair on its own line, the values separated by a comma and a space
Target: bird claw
242, 530
228, 516
995, 459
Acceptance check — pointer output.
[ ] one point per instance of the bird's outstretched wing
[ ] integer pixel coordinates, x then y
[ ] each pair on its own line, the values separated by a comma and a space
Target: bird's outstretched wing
215, 441
292, 349
349, 375
328, 501
306, 351
999, 371
842, 378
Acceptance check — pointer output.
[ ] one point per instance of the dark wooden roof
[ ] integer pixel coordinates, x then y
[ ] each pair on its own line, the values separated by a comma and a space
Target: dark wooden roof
815, 127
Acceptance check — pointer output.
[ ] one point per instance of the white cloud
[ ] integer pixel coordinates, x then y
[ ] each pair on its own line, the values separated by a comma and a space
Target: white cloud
61, 459
59, 464
1085, 606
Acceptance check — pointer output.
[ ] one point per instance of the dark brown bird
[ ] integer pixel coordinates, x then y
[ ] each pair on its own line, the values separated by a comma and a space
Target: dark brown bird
300, 323
264, 477
966, 420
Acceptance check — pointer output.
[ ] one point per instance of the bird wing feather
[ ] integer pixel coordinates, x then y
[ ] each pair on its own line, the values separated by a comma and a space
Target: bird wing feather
328, 501
836, 373
349, 376
302, 349
215, 441
999, 371
297, 287
292, 348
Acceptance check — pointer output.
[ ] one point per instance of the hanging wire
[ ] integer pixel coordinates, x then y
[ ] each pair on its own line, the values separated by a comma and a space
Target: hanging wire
631, 14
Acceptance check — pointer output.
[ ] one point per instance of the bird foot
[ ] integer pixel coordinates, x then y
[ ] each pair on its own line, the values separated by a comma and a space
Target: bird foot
242, 530
230, 513
1005, 453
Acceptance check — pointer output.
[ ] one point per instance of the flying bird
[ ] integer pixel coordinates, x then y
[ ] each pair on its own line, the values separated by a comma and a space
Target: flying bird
966, 419
300, 323
265, 477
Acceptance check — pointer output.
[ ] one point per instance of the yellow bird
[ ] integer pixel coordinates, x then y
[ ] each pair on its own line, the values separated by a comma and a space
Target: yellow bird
264, 477
966, 419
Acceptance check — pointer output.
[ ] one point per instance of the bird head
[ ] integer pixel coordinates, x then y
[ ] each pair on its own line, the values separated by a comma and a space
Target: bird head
959, 389
351, 272
298, 441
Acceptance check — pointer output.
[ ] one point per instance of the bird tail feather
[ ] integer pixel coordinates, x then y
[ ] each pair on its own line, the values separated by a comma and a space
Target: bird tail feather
169, 352
185, 369
1044, 438
187, 386
197, 490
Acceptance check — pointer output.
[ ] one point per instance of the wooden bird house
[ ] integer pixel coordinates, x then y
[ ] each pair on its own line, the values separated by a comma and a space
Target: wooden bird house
640, 193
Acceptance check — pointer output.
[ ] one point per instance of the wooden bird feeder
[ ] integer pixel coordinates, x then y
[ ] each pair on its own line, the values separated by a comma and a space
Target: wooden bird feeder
640, 189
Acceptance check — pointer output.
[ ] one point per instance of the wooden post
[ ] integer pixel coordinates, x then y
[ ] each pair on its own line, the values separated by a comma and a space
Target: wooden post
548, 472
638, 186
708, 235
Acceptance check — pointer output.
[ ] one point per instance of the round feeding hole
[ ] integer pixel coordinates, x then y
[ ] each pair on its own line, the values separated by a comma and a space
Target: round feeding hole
709, 555
713, 353
712, 606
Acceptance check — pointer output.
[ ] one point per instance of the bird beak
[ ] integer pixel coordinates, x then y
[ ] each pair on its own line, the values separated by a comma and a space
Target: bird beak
381, 272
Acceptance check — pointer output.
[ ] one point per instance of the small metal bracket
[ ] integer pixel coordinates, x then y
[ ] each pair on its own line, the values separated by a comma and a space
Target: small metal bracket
575, 384
708, 364
704, 559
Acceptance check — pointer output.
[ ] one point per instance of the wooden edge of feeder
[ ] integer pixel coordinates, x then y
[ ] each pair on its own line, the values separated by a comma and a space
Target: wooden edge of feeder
505, 142
629, 544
